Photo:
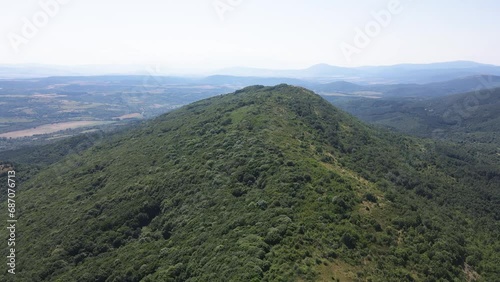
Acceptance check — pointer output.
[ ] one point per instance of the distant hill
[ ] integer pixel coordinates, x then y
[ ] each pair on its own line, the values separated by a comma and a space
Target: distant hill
473, 115
263, 184
435, 89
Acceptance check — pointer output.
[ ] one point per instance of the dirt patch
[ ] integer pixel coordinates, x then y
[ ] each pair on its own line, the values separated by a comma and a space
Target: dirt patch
338, 271
470, 273
5, 168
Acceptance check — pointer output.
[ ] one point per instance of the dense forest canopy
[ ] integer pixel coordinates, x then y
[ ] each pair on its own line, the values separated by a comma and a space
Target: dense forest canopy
263, 184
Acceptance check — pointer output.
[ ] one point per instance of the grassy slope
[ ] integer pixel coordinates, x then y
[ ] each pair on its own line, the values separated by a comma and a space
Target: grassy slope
267, 184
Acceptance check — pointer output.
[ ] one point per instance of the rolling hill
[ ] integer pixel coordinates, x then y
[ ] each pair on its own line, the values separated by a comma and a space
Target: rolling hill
472, 116
263, 184
416, 91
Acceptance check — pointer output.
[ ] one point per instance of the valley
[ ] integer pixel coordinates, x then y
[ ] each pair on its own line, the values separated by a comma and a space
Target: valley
36, 111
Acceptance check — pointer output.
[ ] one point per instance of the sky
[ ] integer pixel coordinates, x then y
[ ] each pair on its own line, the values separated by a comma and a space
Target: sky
278, 34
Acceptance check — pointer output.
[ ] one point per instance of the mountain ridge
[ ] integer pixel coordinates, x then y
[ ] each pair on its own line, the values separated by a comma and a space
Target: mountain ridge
399, 73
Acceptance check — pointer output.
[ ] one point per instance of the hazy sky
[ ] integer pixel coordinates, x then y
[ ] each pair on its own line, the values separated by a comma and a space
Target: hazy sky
193, 34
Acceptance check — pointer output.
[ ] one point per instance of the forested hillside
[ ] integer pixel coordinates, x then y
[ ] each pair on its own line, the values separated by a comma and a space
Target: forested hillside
264, 184
473, 116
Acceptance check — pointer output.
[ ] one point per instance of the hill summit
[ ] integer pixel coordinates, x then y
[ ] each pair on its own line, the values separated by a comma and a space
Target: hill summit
264, 184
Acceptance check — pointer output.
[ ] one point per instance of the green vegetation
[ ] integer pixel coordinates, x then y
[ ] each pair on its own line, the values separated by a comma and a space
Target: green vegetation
469, 117
264, 184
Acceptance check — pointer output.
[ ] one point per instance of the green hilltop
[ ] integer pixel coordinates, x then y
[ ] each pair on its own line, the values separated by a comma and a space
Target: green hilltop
264, 184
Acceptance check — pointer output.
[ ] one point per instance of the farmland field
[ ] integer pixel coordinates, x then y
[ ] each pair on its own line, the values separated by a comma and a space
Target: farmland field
51, 128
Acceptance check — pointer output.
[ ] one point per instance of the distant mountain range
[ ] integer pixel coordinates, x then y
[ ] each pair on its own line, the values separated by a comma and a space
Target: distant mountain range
402, 73
335, 88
